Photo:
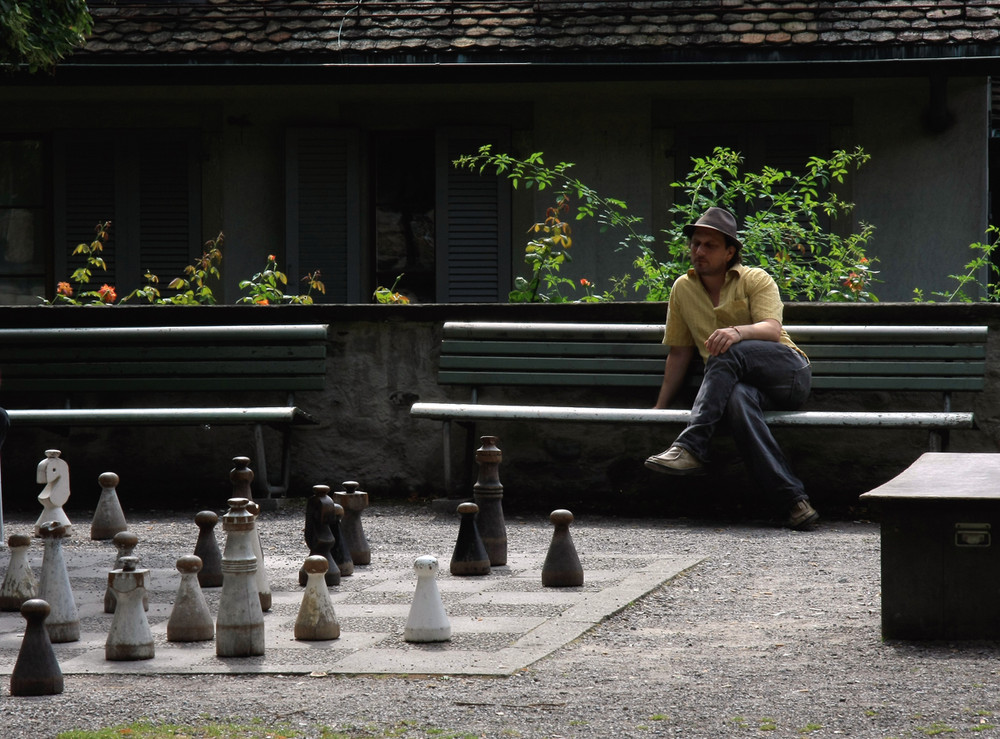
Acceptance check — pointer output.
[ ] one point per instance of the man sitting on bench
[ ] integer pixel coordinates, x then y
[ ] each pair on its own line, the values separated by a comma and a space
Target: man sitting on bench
732, 315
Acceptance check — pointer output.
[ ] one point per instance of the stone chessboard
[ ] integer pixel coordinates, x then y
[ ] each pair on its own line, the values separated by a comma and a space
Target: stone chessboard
501, 622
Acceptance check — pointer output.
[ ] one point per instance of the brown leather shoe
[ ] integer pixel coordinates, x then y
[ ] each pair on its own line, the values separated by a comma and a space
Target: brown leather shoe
676, 461
802, 516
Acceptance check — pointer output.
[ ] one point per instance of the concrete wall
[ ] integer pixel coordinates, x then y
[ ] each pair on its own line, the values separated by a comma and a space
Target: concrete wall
383, 358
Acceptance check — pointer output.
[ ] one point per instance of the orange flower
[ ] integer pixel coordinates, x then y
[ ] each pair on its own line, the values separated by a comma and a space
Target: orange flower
262, 301
107, 293
64, 288
585, 282
272, 258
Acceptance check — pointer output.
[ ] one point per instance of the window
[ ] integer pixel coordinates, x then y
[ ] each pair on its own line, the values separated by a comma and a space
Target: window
446, 231
24, 237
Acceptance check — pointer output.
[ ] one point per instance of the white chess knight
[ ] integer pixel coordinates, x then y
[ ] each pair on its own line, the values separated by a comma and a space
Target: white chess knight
427, 621
53, 472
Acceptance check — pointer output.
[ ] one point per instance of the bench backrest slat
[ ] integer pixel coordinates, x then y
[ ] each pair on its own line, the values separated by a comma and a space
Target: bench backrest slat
165, 358
940, 358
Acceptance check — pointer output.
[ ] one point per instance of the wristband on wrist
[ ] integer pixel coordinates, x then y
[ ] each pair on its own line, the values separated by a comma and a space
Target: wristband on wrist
738, 332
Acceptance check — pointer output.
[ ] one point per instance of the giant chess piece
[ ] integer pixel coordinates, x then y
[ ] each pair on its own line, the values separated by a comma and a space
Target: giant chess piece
469, 557
129, 637
36, 671
190, 619
53, 473
109, 518
207, 549
316, 620
125, 543
241, 477
239, 626
353, 502
63, 622
341, 554
488, 494
19, 583
427, 620
318, 534
562, 568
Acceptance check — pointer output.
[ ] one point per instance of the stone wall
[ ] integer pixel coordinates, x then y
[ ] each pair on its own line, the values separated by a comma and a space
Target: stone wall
383, 358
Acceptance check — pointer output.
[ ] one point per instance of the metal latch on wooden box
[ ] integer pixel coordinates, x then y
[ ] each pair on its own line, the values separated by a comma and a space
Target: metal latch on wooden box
972, 534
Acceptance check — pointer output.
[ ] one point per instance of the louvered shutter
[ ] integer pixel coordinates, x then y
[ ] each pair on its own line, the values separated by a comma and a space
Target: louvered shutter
147, 184
473, 223
322, 225
85, 194
169, 201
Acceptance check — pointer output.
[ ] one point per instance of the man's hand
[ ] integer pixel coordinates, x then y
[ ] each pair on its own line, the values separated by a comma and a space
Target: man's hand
721, 339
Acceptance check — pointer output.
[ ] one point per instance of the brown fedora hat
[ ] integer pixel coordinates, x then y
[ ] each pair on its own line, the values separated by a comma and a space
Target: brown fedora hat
718, 219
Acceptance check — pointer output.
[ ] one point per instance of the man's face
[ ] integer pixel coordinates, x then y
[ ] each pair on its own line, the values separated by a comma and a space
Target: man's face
709, 252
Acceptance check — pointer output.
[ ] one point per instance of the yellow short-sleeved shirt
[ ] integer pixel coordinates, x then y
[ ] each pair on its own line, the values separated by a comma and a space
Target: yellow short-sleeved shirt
748, 295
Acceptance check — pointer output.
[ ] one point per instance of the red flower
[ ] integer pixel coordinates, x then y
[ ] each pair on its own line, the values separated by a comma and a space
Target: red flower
585, 282
107, 294
64, 288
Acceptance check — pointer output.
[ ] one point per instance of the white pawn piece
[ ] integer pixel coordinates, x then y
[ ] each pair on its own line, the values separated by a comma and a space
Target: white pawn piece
190, 619
260, 576
63, 622
427, 621
19, 583
317, 620
239, 627
109, 519
53, 472
129, 637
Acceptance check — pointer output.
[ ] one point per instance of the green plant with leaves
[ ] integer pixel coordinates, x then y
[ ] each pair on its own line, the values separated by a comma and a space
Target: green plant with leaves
982, 263
38, 33
546, 252
389, 295
267, 286
93, 254
193, 287
787, 230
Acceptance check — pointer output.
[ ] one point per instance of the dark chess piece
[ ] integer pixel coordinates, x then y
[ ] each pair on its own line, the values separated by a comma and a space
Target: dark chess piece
354, 501
469, 557
318, 534
562, 568
488, 494
36, 671
341, 554
109, 518
207, 549
241, 477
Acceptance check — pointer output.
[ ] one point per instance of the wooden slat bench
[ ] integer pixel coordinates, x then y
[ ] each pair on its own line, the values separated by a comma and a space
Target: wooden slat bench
67, 377
933, 359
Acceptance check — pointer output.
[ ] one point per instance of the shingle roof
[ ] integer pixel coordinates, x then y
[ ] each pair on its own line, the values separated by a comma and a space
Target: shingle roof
364, 31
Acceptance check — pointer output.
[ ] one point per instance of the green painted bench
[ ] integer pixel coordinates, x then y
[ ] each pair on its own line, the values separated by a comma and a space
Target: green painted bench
927, 359
148, 376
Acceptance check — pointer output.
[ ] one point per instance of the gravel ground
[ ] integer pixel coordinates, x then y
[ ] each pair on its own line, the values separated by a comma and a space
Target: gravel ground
775, 631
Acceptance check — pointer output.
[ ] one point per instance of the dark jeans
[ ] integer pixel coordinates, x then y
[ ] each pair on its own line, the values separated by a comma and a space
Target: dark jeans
739, 385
